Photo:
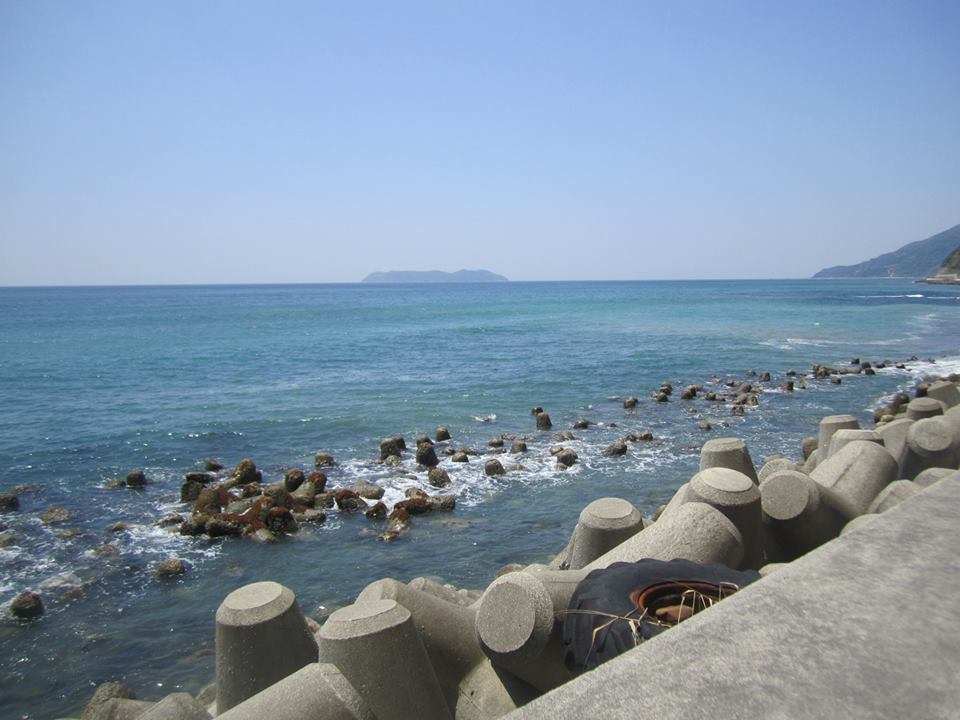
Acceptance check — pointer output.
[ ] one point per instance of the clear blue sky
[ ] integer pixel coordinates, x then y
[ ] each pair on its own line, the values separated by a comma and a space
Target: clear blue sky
161, 142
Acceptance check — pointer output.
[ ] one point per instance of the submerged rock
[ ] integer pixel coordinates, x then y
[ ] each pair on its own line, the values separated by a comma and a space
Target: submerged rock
494, 467
617, 449
170, 568
27, 606
518, 446
54, 515
438, 477
322, 459
135, 479
9, 502
105, 692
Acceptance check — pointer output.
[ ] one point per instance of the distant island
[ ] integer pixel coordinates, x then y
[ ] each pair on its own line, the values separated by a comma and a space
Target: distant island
434, 276
918, 259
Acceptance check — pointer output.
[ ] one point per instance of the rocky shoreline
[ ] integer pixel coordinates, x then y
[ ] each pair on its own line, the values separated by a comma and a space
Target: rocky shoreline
426, 649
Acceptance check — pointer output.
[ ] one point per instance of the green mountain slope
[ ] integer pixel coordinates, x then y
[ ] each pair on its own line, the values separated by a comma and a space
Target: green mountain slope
914, 260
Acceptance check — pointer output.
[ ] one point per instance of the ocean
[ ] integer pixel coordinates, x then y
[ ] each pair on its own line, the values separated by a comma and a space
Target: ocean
97, 381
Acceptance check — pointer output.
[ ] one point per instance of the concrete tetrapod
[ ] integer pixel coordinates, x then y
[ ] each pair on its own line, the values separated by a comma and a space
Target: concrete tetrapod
694, 531
851, 479
603, 524
924, 407
729, 453
946, 392
930, 443
471, 686
738, 498
931, 475
894, 435
176, 706
771, 467
317, 690
261, 638
828, 426
518, 627
377, 648
795, 520
842, 437
892, 495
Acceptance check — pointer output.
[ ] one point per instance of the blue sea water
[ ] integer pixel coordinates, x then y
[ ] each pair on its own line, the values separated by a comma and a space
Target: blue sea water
97, 381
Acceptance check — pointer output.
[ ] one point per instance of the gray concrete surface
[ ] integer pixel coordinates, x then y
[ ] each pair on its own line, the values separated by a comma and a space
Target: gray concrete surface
866, 626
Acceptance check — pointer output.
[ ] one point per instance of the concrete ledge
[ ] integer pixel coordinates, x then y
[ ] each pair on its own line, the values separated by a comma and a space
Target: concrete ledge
866, 626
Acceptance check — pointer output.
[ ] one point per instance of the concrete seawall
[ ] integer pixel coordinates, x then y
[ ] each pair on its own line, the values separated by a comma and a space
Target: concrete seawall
866, 626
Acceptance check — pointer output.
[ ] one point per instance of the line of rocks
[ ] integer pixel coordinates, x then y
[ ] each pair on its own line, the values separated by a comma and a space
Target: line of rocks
421, 649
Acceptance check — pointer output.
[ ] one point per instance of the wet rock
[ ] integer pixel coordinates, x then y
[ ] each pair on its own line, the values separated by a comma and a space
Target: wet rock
135, 479
791, 372
705, 425
710, 396
645, 436
319, 480
377, 512
836, 380
582, 424
194, 525
54, 515
9, 502
106, 550
322, 459
348, 501
310, 515
246, 472
443, 433
661, 397
493, 467
251, 490
293, 479
323, 500
630, 403
305, 495
869, 371
398, 519
105, 692
203, 478
426, 455
367, 490
263, 536
765, 376
222, 527
666, 388
169, 520
565, 436
808, 445
566, 458
212, 466
518, 446
7, 539
388, 535
414, 506
536, 410
278, 495
737, 410
118, 527
392, 446
415, 492
280, 521
689, 392
210, 501
397, 461
27, 606
787, 386
423, 439
617, 449
495, 442
543, 421
170, 568
442, 503
438, 477
190, 491
751, 373
239, 507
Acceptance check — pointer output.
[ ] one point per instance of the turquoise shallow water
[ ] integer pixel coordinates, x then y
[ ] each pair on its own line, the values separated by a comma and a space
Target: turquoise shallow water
96, 381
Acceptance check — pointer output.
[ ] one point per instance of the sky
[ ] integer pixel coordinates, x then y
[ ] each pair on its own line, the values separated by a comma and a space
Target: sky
254, 142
